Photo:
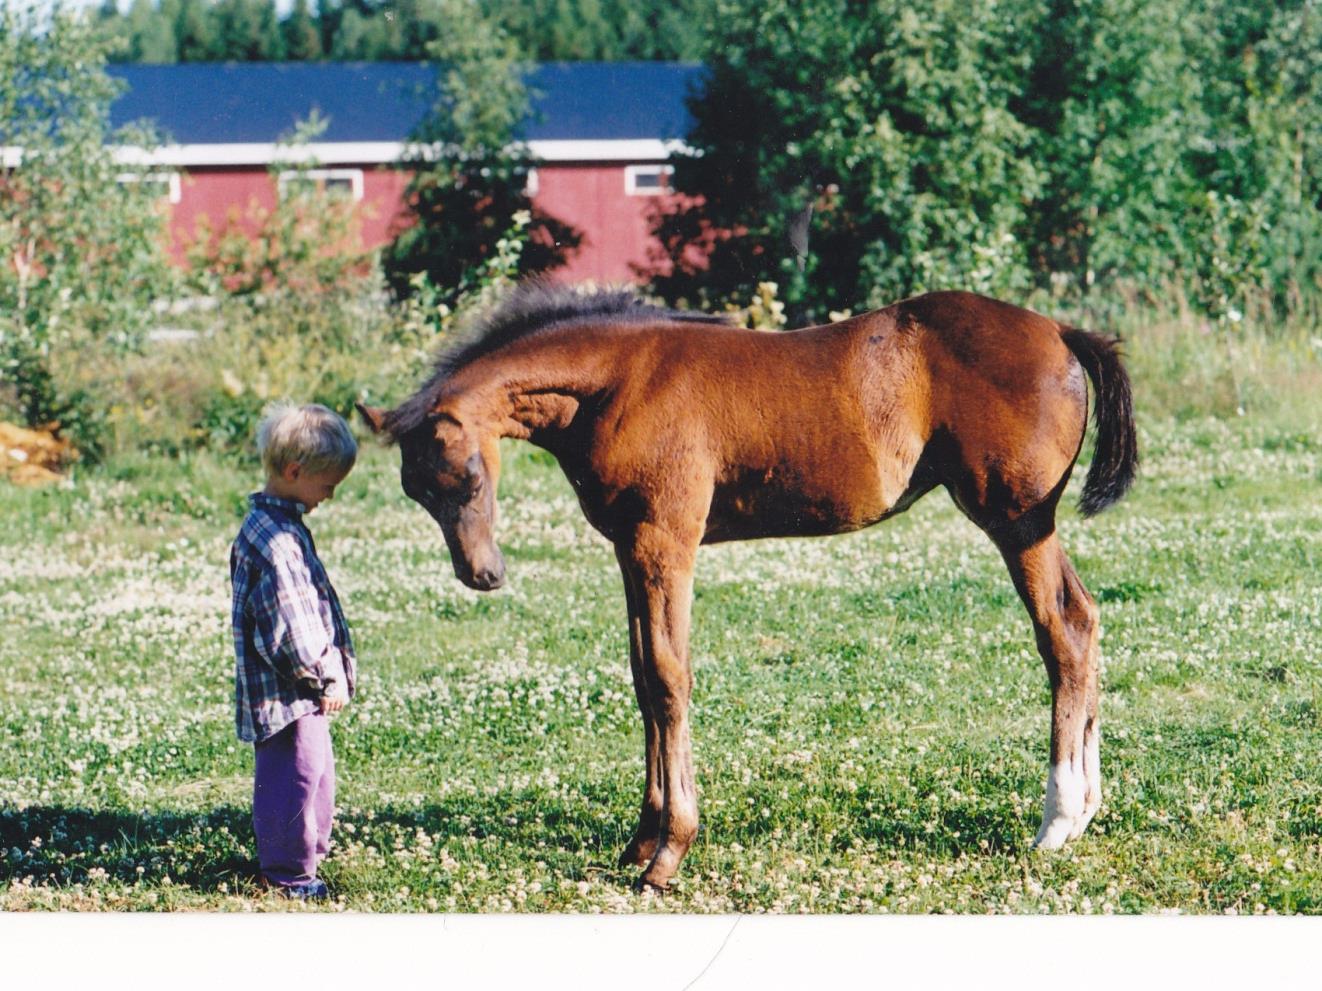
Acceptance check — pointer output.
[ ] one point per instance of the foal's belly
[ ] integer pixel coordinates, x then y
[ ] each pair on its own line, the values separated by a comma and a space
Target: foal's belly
758, 504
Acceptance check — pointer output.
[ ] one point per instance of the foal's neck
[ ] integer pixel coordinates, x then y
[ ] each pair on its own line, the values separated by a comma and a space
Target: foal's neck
533, 389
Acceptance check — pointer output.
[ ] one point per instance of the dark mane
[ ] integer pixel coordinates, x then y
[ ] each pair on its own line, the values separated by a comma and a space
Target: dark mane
532, 307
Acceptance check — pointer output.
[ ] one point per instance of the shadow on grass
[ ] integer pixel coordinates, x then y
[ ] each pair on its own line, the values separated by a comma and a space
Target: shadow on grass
212, 851
952, 832
66, 845
71, 845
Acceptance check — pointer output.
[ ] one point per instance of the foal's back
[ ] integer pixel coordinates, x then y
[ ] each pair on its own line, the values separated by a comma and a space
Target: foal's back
832, 428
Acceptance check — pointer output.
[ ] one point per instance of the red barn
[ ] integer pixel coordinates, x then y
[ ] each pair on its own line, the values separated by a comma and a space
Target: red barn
601, 134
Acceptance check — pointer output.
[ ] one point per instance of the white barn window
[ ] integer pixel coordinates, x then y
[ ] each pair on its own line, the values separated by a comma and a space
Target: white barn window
646, 180
171, 189
348, 182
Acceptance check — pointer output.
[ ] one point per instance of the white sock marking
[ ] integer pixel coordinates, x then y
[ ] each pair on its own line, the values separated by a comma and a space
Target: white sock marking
1064, 805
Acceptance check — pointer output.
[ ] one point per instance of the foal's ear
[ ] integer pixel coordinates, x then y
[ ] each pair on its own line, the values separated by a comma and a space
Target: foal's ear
374, 417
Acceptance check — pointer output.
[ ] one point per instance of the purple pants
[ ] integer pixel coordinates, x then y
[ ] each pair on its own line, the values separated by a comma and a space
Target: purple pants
293, 800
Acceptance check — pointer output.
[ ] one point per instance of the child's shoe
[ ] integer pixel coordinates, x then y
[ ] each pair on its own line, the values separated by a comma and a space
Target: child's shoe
308, 891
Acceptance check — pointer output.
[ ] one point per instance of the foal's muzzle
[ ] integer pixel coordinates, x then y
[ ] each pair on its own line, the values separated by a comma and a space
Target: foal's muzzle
483, 570
482, 579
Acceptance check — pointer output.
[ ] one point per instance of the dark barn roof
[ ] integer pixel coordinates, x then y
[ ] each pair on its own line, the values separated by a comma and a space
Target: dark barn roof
260, 102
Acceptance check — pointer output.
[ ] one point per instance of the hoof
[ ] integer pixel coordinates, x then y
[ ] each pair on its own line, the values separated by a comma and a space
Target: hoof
1055, 834
1066, 811
657, 887
1090, 808
1062, 829
638, 853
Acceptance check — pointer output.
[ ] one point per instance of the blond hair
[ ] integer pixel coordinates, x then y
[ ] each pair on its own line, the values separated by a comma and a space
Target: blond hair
313, 436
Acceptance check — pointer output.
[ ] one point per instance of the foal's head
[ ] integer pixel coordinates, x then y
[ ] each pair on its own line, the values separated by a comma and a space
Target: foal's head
450, 466
451, 472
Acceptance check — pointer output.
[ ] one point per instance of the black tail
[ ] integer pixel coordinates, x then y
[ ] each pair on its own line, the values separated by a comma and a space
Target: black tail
1115, 460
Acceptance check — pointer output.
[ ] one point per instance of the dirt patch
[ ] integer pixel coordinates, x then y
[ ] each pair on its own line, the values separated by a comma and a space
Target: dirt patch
32, 457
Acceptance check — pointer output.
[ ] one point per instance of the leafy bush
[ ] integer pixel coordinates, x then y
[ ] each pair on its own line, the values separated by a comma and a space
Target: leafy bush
470, 173
81, 248
309, 245
1083, 150
333, 347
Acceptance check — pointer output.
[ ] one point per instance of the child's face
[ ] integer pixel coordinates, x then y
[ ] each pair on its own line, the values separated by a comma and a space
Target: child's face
310, 488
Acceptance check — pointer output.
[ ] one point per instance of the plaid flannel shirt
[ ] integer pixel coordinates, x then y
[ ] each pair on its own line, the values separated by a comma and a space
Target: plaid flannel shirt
290, 638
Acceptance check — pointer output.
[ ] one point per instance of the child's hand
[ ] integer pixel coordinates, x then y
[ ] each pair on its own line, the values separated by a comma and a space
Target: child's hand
334, 700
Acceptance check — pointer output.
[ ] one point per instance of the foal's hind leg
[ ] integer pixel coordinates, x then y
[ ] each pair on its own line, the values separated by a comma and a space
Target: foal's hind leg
642, 847
1065, 618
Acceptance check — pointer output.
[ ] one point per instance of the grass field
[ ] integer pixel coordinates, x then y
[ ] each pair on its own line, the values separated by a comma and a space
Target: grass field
870, 715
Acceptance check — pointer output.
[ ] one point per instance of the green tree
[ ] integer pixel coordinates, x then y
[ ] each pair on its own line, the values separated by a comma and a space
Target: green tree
151, 33
167, 12
1271, 234
607, 30
82, 249
421, 23
1175, 136
358, 37
246, 30
1115, 101
1024, 145
471, 174
328, 22
114, 28
891, 120
195, 32
301, 38
548, 30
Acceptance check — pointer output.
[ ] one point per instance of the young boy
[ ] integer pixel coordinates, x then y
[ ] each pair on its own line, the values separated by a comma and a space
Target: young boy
295, 661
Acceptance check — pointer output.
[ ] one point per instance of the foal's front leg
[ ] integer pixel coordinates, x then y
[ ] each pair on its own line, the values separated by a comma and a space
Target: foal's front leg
660, 567
642, 847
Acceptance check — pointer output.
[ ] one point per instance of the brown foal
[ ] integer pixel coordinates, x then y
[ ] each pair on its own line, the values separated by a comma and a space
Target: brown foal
677, 430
